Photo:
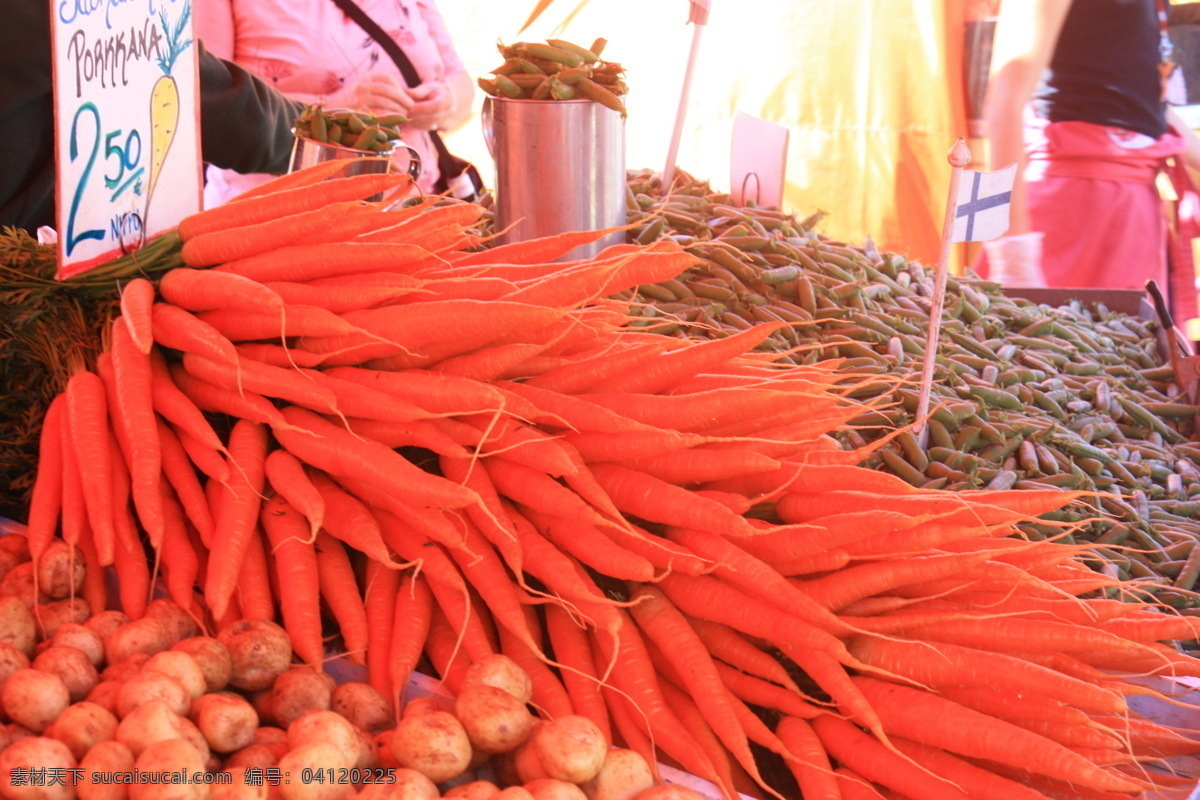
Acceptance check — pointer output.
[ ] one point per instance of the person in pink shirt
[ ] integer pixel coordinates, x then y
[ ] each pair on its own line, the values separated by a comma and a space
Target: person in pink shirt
311, 51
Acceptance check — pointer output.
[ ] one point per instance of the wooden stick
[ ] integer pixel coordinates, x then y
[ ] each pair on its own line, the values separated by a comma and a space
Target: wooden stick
959, 157
699, 18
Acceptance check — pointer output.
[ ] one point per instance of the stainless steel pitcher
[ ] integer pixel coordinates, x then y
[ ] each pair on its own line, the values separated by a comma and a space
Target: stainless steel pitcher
560, 167
401, 159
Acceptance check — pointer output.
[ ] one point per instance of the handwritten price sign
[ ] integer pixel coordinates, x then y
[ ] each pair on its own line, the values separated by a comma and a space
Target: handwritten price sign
127, 136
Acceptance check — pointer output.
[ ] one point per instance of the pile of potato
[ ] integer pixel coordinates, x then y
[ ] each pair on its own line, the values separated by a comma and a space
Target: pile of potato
102, 707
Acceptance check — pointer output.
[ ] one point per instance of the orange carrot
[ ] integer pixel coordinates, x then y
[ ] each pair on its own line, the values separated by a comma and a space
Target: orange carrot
543, 250
812, 769
339, 590
313, 176
181, 478
414, 606
296, 565
349, 520
137, 298
238, 516
263, 379
449, 660
379, 601
87, 423
585, 543
132, 380
287, 477
569, 641
208, 290
211, 397
340, 299
549, 697
46, 499
182, 330
651, 499
180, 563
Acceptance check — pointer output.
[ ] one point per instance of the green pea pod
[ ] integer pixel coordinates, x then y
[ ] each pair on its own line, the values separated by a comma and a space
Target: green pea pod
318, 129
366, 138
598, 46
542, 91
517, 65
488, 86
355, 123
549, 52
335, 133
561, 91
528, 81
508, 89
594, 91
573, 75
588, 56
389, 131
392, 121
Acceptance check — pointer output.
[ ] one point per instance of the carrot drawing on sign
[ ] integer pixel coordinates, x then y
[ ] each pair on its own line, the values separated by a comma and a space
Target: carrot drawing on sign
164, 99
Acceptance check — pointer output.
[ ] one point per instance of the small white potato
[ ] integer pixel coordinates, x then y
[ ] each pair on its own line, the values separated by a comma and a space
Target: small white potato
170, 756
105, 622
40, 753
180, 624
189, 731
406, 784
263, 702
83, 725
81, 637
669, 791
148, 723
18, 582
99, 767
11, 660
60, 570
572, 748
423, 705
105, 695
180, 666
126, 668
256, 755
17, 626
513, 793
554, 789
314, 756
495, 720
502, 672
18, 732
211, 656
240, 786
475, 790
623, 775
73, 666
7, 562
296, 692
525, 763
434, 744
273, 737
53, 615
227, 721
383, 749
363, 705
16, 544
261, 651
148, 685
324, 725
146, 635
34, 698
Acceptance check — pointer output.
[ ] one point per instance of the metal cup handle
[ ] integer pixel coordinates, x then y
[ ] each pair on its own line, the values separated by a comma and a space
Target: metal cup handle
487, 117
414, 160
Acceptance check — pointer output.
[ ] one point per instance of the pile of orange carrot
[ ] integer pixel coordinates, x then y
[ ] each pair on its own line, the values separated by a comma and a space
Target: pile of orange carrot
351, 417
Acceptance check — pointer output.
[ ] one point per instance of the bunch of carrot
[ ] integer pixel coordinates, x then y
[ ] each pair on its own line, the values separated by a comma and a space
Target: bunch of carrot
348, 410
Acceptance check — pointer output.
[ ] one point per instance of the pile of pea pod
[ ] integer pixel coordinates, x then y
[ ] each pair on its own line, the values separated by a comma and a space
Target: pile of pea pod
1025, 395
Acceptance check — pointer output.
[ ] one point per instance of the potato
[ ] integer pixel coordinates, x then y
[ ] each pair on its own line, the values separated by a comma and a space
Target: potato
170, 756
18, 732
423, 705
11, 660
180, 624
81, 637
51, 616
408, 784
260, 651
316, 755
126, 668
146, 635
189, 731
60, 570
502, 672
18, 583
363, 705
475, 790
263, 705
105, 622
368, 754
435, 744
73, 666
16, 545
148, 723
17, 626
254, 755
105, 759
240, 786
552, 789
149, 685
273, 737
622, 776
383, 749
34, 698
513, 793
324, 725
105, 695
7, 562
495, 721
572, 748
296, 692
227, 721
5, 738
669, 791
37, 752
83, 725
182, 667
211, 656
525, 763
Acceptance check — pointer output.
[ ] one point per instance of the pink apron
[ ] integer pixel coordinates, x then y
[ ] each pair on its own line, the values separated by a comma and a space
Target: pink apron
1092, 192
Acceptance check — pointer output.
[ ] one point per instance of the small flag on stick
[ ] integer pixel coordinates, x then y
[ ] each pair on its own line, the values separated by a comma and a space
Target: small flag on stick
977, 210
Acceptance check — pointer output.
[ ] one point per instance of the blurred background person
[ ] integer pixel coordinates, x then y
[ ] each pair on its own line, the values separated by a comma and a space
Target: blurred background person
313, 52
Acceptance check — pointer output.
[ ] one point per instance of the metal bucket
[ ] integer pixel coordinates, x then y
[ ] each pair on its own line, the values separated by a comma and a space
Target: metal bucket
400, 159
560, 167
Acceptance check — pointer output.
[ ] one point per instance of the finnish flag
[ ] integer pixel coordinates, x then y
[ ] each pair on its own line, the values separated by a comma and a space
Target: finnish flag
984, 199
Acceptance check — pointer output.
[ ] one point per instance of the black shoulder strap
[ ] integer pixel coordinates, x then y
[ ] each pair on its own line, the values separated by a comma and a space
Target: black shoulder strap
377, 33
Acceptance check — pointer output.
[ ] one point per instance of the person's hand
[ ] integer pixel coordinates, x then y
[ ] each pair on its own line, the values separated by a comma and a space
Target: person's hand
381, 94
1016, 260
432, 104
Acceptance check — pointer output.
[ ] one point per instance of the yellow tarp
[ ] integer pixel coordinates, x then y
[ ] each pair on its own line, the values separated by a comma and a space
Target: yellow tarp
871, 91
